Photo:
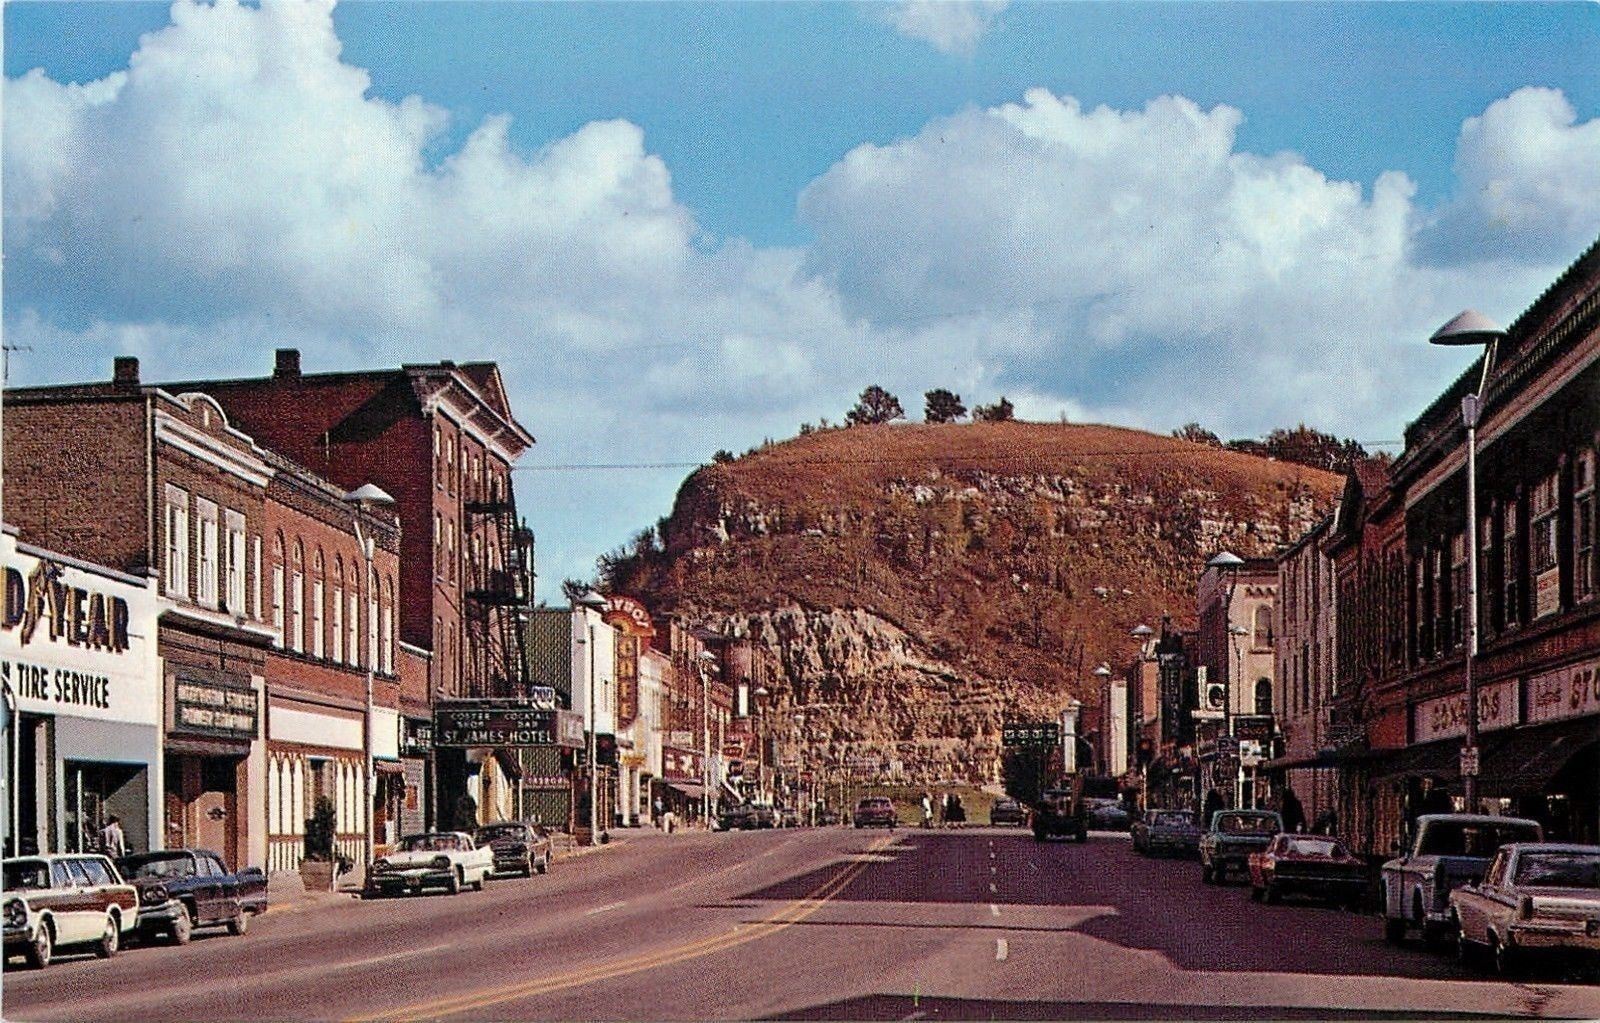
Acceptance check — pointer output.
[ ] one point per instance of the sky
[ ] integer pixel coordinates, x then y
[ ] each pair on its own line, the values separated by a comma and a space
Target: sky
688, 227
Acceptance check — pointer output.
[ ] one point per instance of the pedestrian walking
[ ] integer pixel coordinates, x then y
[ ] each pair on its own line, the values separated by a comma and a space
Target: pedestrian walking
1294, 815
927, 810
112, 841
657, 808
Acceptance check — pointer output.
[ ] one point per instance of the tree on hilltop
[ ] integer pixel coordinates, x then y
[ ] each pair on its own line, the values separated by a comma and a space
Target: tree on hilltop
942, 406
875, 405
1001, 411
1197, 434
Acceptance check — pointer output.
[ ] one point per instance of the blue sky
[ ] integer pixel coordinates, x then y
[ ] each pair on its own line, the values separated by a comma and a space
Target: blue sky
684, 227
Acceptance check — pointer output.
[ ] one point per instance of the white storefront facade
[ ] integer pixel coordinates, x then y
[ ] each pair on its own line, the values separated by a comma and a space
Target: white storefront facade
83, 694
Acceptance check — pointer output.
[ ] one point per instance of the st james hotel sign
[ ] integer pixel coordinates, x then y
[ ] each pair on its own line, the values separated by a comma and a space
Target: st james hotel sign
459, 727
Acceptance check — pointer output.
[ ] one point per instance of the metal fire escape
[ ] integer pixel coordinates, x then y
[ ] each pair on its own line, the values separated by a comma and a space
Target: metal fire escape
499, 592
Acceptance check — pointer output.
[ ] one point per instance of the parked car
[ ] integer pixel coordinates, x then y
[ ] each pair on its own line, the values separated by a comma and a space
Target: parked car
766, 816
1007, 812
437, 859
65, 900
1535, 899
1104, 814
517, 847
738, 818
1059, 814
1313, 865
1173, 832
1233, 836
876, 812
181, 889
789, 818
1447, 850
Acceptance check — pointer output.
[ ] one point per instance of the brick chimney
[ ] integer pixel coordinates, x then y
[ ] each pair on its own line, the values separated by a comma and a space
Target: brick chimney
125, 371
287, 364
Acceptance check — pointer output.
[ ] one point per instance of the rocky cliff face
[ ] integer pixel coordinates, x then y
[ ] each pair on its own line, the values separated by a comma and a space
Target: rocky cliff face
918, 584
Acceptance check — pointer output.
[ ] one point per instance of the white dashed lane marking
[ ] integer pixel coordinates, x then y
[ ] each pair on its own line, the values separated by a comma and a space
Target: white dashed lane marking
994, 910
1001, 950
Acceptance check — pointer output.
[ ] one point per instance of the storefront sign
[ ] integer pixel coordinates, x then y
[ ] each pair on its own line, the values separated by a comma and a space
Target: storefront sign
76, 643
1569, 692
461, 727
205, 707
1253, 727
1547, 593
570, 732
1446, 717
417, 739
680, 764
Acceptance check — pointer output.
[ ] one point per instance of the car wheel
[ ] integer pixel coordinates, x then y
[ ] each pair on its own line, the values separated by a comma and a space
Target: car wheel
1207, 874
1394, 930
41, 948
1507, 961
1255, 894
477, 885
453, 885
1270, 894
182, 927
238, 923
110, 939
543, 866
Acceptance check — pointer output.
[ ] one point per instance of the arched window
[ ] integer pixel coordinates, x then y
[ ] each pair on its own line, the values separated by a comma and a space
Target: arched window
318, 595
337, 634
277, 586
1263, 624
297, 598
372, 619
1263, 696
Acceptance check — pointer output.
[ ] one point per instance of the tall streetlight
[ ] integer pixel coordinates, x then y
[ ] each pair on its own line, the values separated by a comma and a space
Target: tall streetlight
363, 499
1103, 673
758, 699
1472, 328
592, 601
1228, 565
705, 662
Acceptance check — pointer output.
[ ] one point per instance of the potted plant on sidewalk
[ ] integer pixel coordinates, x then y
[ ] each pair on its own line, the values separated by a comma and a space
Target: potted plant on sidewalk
316, 868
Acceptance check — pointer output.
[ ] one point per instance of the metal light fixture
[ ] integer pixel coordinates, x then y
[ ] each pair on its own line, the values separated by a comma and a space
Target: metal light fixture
1471, 328
363, 498
593, 602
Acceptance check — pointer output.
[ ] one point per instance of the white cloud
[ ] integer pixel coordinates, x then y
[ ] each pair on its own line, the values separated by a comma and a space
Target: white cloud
949, 26
238, 189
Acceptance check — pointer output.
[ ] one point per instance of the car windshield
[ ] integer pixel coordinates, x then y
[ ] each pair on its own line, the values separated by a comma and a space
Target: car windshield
1454, 838
430, 843
1315, 847
1247, 824
1559, 869
499, 831
27, 875
1171, 820
158, 866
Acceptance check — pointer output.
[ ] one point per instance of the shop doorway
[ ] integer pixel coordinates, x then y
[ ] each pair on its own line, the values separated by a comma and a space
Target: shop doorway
203, 804
95, 792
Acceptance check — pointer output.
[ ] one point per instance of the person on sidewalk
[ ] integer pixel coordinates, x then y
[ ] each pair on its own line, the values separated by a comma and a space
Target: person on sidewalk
112, 842
927, 810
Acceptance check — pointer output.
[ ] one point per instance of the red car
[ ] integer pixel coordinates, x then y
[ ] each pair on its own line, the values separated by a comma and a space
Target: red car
1313, 865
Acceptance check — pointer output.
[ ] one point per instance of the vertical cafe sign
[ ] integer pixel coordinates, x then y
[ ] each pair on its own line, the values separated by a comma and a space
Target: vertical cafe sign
635, 629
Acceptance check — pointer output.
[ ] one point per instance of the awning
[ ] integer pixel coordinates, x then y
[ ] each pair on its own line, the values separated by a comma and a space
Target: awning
388, 767
1328, 756
1524, 760
694, 790
1438, 760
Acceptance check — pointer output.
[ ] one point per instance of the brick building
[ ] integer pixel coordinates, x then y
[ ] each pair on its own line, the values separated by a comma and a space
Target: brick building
1305, 680
1234, 645
156, 481
441, 440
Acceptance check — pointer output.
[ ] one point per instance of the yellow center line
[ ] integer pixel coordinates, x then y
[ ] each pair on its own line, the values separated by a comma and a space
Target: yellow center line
782, 918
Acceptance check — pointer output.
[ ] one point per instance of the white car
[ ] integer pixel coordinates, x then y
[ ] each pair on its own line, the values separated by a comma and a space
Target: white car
1535, 898
1447, 850
64, 900
437, 859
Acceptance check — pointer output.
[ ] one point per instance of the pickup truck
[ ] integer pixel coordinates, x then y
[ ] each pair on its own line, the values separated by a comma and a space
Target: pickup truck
181, 889
440, 859
1446, 851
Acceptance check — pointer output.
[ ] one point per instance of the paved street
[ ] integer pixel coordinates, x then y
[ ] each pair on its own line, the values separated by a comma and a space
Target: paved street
800, 924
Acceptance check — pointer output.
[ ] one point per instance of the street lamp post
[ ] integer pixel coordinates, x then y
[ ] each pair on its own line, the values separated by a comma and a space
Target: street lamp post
1108, 751
1228, 564
360, 499
1472, 328
705, 662
593, 601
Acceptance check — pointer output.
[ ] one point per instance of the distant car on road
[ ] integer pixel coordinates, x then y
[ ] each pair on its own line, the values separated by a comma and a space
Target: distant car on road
518, 847
1447, 850
1103, 814
181, 889
1535, 899
1059, 814
435, 859
1313, 865
1233, 836
738, 818
766, 816
1007, 812
876, 812
1173, 832
63, 900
